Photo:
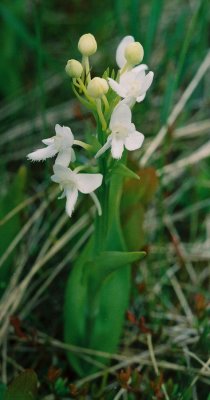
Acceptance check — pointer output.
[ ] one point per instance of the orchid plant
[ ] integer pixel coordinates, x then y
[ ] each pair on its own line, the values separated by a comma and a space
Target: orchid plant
97, 291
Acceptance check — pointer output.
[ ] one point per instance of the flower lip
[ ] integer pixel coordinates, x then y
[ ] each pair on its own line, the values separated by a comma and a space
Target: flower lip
120, 131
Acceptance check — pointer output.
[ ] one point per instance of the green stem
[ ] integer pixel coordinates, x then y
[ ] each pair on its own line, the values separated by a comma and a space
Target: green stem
101, 221
83, 88
106, 103
86, 65
100, 114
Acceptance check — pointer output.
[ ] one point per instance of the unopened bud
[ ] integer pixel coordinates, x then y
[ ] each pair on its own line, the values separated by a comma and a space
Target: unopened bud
87, 45
74, 68
134, 53
97, 87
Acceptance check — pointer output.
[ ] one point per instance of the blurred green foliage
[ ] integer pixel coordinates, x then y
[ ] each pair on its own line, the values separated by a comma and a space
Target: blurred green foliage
37, 38
10, 227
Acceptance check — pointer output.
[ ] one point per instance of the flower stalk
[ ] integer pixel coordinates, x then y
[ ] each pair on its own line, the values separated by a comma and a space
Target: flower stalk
98, 287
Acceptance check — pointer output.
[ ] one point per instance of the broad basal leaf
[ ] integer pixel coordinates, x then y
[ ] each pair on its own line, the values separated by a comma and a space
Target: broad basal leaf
24, 387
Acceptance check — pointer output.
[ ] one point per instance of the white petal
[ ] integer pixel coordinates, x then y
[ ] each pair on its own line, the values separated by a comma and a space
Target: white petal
147, 82
141, 98
104, 147
62, 174
87, 183
129, 101
120, 58
134, 141
48, 141
140, 67
140, 76
117, 148
43, 154
121, 115
116, 87
63, 157
127, 80
71, 198
66, 135
58, 129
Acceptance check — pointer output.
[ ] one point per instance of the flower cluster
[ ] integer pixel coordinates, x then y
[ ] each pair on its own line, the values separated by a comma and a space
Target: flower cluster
111, 101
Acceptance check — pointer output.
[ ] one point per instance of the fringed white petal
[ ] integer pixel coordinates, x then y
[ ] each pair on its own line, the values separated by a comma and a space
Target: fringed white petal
48, 141
87, 183
71, 199
134, 141
42, 154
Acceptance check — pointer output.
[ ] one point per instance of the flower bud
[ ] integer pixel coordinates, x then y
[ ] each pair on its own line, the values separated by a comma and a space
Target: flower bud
97, 87
134, 53
74, 68
87, 45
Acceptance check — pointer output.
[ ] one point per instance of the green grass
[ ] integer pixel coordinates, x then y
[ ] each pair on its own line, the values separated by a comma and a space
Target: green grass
171, 285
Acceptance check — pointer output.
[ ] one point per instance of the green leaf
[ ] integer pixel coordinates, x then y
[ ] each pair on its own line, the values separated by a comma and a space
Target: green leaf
24, 387
121, 169
102, 266
113, 74
98, 290
154, 18
106, 73
90, 317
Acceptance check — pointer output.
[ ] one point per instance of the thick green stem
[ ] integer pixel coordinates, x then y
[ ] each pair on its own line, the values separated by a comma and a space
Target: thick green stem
101, 221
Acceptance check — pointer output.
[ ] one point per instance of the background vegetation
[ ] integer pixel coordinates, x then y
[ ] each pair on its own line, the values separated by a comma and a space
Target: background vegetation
167, 331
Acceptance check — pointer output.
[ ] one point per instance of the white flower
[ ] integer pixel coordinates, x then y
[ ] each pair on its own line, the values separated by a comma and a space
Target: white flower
60, 144
133, 84
73, 182
123, 133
